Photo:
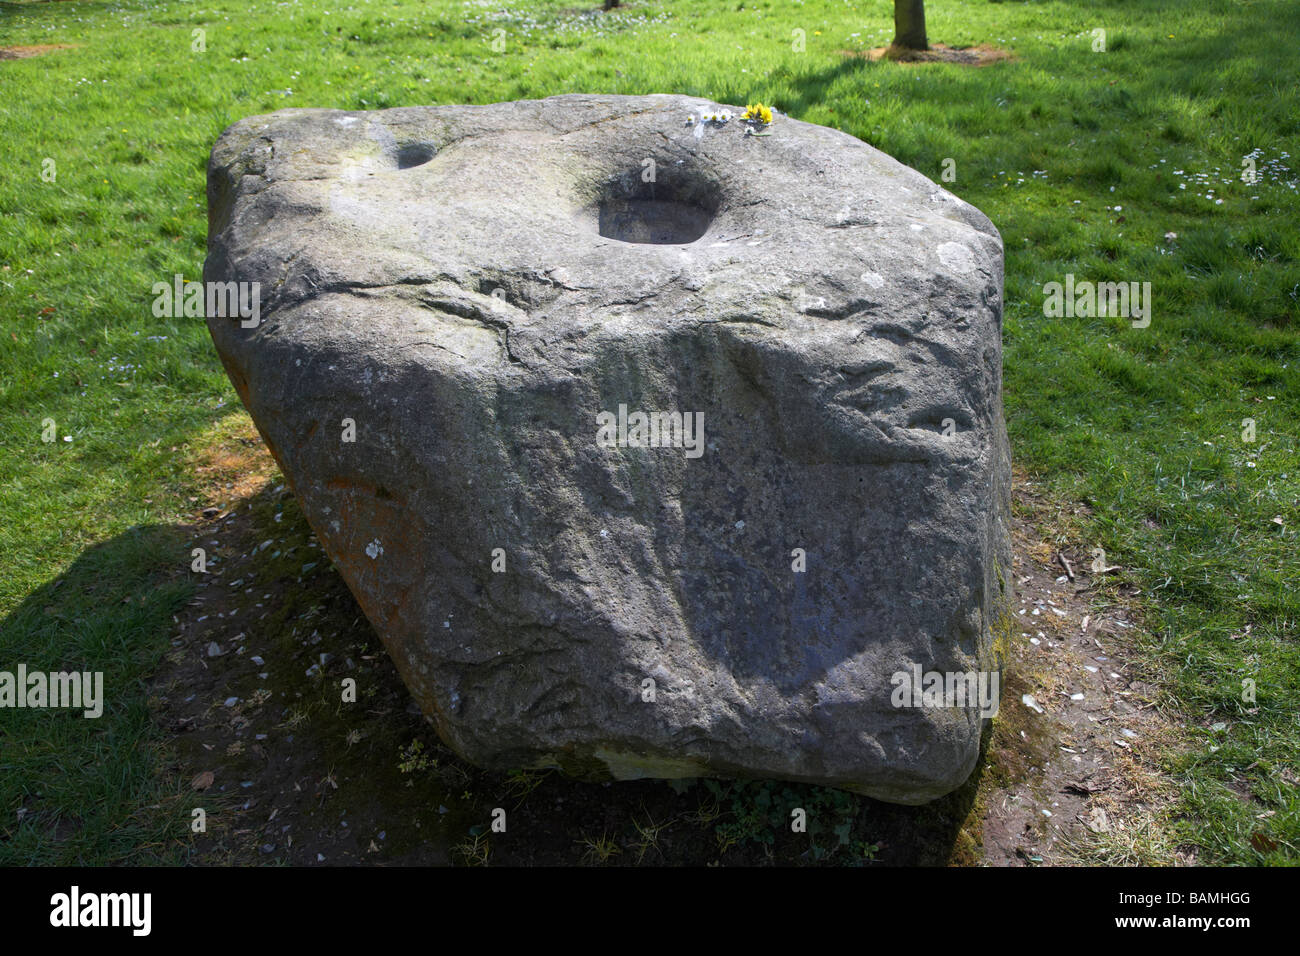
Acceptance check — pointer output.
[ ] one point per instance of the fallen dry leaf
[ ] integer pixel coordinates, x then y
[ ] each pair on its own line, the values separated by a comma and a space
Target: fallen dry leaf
1263, 842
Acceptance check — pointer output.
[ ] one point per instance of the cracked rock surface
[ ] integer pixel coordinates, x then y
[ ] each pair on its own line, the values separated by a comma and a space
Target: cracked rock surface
451, 296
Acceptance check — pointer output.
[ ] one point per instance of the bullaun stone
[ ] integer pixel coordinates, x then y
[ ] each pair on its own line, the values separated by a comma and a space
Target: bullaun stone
485, 299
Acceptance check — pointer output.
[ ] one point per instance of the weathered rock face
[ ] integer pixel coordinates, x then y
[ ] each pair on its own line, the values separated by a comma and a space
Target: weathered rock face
469, 288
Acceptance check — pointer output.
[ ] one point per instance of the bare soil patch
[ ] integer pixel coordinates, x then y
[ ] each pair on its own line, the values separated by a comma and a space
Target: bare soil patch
981, 55
1088, 719
40, 49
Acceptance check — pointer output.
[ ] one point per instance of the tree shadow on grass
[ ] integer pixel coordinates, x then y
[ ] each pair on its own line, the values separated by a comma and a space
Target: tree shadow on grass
79, 790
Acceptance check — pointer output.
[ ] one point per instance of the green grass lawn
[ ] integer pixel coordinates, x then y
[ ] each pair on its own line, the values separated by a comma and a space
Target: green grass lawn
1086, 161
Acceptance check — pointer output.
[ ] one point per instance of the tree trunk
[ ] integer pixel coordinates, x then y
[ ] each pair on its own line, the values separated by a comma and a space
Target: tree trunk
909, 25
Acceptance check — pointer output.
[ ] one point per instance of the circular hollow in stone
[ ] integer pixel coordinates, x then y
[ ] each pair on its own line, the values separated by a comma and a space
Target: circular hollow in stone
658, 221
414, 154
676, 211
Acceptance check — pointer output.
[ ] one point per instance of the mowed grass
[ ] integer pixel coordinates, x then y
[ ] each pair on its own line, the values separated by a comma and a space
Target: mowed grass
1084, 160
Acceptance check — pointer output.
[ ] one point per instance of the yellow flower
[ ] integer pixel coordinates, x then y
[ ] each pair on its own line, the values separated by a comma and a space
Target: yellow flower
757, 113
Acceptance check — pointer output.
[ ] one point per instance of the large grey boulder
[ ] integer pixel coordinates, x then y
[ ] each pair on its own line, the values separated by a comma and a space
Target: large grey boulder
462, 291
